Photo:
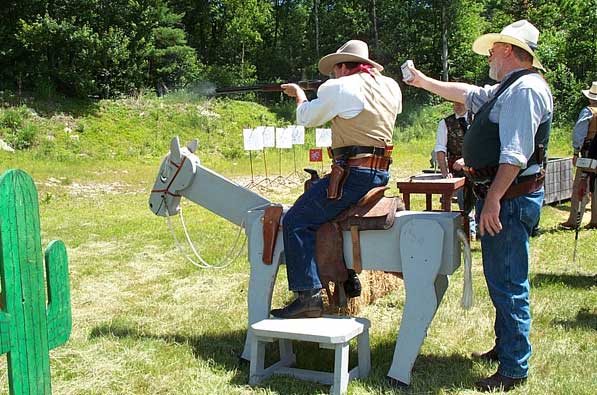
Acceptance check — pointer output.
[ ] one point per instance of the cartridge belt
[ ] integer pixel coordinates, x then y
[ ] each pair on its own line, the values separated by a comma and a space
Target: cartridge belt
350, 151
521, 186
373, 162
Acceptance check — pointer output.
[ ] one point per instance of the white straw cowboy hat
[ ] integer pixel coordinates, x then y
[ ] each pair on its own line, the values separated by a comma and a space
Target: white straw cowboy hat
591, 93
520, 33
353, 51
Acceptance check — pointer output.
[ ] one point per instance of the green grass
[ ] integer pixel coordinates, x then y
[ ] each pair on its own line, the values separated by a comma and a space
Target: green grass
145, 321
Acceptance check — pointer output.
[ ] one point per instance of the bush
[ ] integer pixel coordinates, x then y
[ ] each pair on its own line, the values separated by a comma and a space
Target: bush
17, 130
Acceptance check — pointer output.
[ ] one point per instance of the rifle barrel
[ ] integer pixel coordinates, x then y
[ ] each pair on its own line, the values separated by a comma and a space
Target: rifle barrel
310, 85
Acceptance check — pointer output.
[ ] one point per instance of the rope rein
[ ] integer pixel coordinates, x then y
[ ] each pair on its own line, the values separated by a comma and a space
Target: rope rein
203, 264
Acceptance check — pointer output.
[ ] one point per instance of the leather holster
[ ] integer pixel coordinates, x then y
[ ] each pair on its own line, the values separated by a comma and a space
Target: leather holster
337, 177
271, 225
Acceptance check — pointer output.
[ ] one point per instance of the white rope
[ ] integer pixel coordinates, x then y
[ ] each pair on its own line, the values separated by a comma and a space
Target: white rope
202, 264
467, 292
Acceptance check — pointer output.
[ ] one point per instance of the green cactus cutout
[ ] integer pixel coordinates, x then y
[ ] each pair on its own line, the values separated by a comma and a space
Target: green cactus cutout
29, 327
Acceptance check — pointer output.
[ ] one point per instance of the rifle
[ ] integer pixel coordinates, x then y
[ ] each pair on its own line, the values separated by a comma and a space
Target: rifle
582, 190
310, 85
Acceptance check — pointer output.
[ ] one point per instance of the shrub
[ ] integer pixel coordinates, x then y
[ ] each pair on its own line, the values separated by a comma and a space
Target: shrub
16, 129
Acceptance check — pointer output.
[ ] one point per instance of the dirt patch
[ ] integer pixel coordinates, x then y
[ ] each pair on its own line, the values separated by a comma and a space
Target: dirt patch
95, 189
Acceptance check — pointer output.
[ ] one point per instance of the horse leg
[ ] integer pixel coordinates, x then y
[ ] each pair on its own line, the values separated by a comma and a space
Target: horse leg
421, 245
261, 286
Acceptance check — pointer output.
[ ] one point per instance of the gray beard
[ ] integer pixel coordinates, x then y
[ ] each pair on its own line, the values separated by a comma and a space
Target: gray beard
493, 73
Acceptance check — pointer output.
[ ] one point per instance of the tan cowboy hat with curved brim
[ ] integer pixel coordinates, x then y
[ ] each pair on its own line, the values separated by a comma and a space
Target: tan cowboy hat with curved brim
591, 93
353, 51
520, 33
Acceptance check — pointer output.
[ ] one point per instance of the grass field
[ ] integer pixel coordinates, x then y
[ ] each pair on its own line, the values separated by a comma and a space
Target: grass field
145, 321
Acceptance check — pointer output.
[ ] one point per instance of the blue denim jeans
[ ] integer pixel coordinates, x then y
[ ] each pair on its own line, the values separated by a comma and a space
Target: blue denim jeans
313, 209
506, 269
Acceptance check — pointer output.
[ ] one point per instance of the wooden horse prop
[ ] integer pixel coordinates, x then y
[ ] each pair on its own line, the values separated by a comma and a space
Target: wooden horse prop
424, 246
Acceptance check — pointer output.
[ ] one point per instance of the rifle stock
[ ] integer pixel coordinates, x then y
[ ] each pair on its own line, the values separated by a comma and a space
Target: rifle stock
310, 85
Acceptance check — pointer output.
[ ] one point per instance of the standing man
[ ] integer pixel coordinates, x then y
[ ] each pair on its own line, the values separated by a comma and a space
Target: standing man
503, 152
448, 151
362, 106
582, 136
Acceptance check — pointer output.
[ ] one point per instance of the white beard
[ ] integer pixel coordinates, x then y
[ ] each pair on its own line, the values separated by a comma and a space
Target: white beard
493, 71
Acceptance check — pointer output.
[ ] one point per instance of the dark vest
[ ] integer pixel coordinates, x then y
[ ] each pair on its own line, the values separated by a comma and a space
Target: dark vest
481, 147
456, 130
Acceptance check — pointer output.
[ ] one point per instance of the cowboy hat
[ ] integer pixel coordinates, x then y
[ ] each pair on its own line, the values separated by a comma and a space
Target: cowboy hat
353, 51
520, 33
591, 93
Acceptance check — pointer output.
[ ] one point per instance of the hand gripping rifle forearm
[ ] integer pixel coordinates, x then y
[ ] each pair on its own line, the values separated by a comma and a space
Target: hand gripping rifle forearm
310, 85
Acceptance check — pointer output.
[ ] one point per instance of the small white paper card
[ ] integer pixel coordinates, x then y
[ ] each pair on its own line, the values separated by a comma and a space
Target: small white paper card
323, 137
269, 136
284, 137
298, 134
253, 139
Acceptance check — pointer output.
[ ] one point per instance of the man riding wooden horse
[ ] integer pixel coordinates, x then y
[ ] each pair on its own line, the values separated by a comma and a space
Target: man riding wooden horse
362, 106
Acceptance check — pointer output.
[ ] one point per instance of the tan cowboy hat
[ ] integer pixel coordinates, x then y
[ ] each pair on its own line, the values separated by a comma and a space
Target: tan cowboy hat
352, 51
591, 93
520, 33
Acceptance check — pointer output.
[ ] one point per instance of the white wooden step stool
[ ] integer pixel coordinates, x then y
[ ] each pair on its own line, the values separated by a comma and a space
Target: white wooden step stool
330, 332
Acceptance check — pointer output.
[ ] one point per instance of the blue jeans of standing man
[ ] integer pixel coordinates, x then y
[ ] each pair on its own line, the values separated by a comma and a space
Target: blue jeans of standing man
506, 269
312, 210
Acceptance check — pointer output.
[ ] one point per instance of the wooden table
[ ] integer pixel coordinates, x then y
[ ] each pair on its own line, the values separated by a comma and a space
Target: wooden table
431, 184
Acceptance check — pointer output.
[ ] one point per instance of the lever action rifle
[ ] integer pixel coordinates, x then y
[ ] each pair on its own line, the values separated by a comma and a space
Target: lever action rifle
582, 190
310, 85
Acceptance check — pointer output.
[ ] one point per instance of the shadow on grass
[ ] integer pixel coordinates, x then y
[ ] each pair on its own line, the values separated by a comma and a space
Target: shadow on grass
569, 280
223, 349
585, 319
432, 374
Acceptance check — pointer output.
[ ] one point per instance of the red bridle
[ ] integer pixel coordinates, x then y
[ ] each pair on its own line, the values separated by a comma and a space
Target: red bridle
178, 168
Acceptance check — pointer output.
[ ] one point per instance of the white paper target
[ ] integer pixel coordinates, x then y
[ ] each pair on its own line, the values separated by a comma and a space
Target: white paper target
298, 134
269, 136
284, 137
253, 139
323, 137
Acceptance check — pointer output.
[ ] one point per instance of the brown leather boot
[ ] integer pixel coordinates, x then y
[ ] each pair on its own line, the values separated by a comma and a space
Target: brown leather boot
498, 382
308, 304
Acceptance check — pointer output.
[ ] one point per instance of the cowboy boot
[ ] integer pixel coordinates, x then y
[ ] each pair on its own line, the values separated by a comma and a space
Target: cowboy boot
308, 304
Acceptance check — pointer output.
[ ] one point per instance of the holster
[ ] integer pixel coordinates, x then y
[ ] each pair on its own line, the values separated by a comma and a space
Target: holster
337, 177
271, 224
469, 197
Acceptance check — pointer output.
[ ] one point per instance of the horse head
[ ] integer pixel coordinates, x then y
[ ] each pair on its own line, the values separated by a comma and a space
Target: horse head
176, 173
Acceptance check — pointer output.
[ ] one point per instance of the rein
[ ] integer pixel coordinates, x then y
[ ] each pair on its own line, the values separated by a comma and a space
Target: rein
202, 264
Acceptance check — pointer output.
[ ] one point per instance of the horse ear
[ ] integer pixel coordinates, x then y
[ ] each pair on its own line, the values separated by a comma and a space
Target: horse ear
175, 149
192, 145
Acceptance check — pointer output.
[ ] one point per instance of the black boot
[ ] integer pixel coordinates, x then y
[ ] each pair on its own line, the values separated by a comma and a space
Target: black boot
308, 304
352, 286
